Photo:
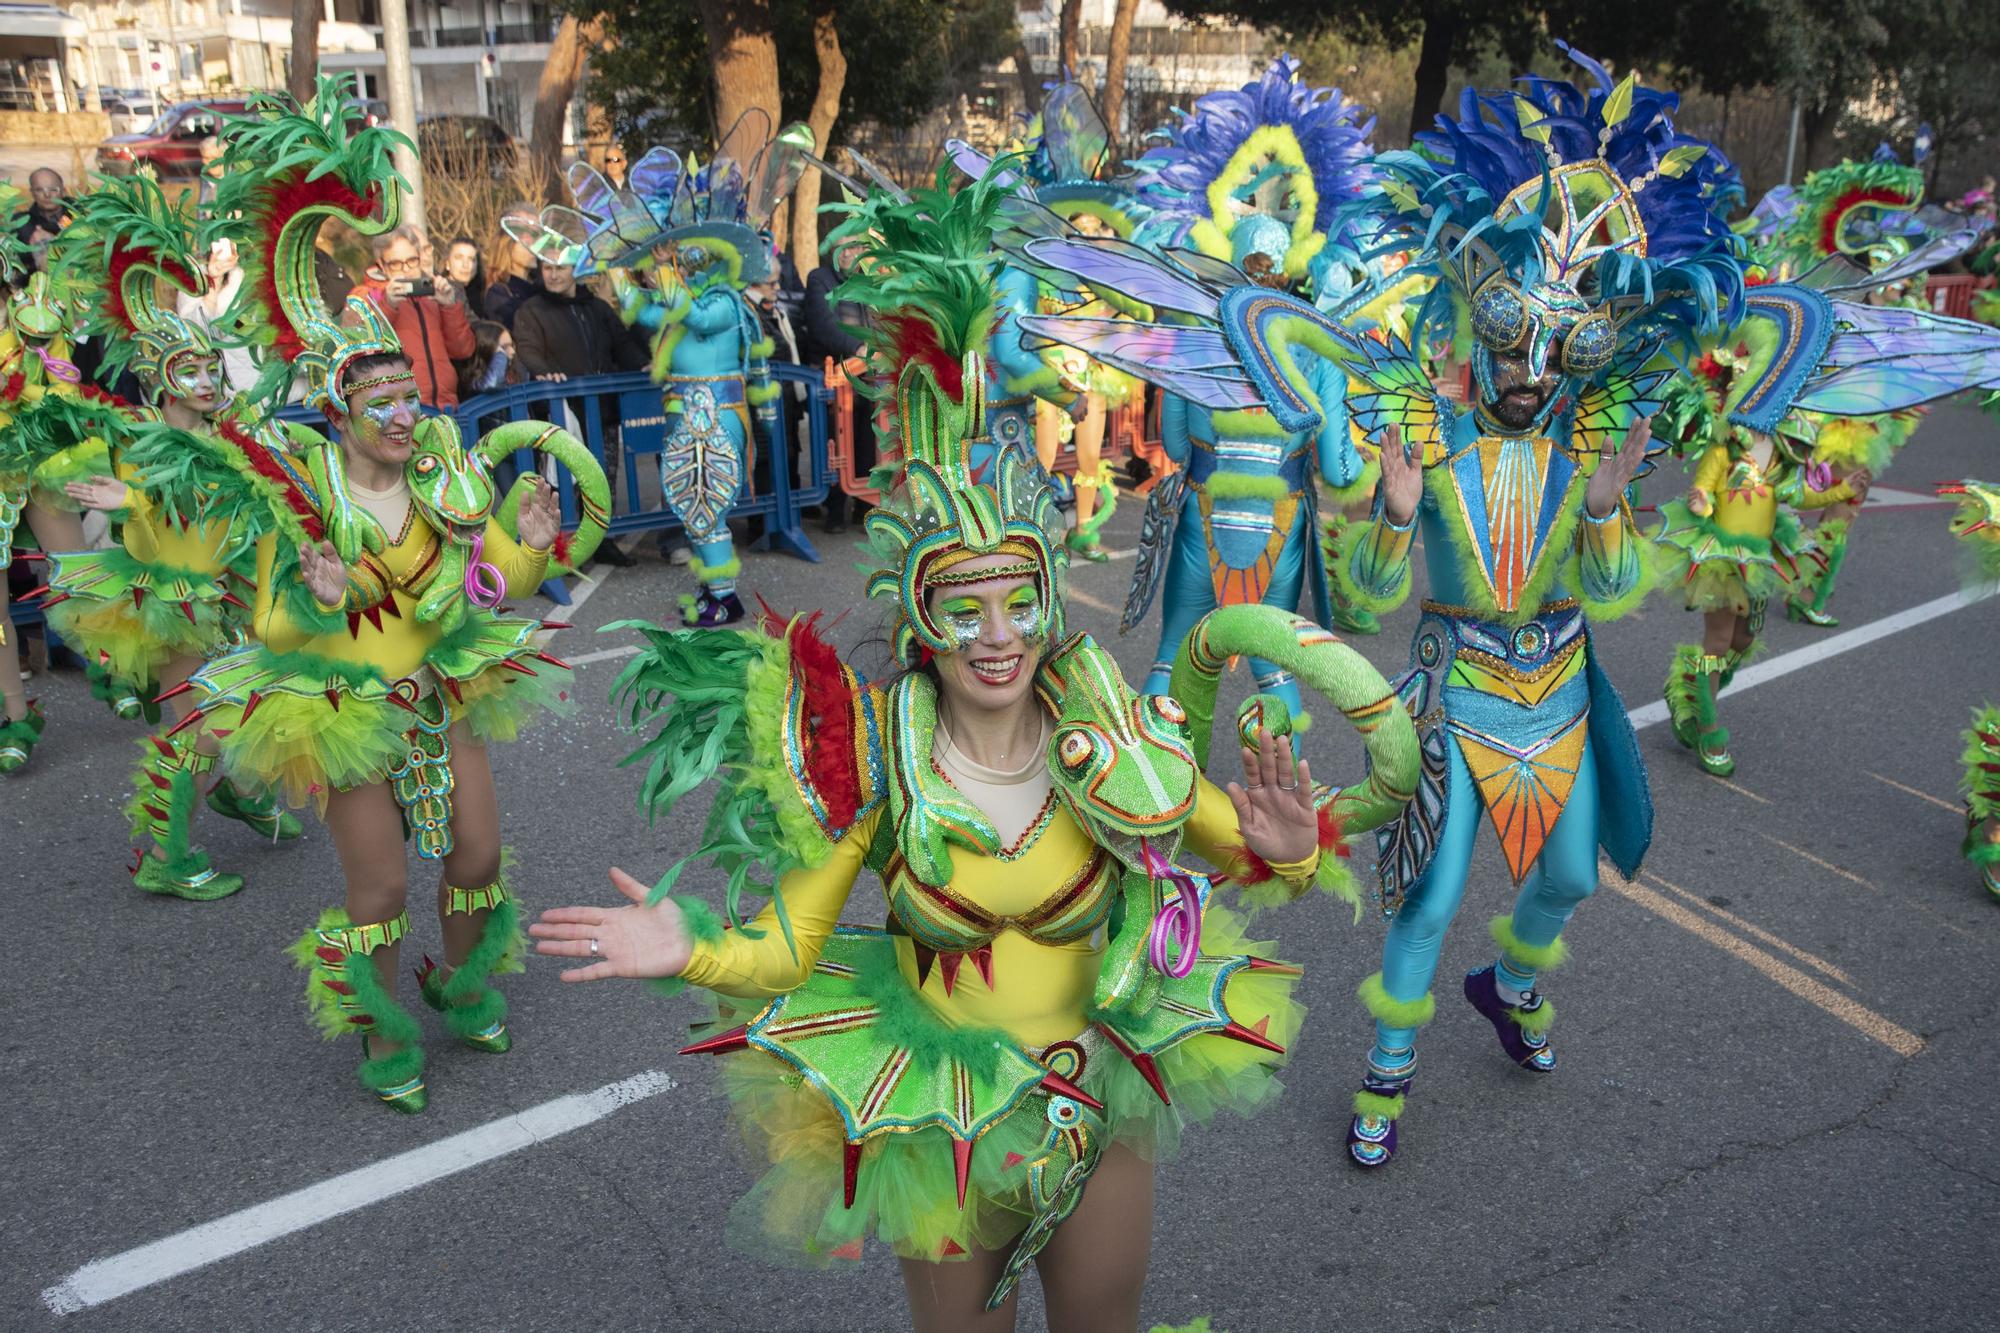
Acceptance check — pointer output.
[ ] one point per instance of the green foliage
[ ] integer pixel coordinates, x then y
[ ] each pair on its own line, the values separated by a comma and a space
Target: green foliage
904, 57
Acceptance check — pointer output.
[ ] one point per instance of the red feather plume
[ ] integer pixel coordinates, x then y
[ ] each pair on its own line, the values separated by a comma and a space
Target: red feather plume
830, 690
284, 200
122, 261
1829, 224
916, 340
266, 465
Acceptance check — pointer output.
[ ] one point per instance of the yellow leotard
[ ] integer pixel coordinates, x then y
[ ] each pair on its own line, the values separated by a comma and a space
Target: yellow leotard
1040, 988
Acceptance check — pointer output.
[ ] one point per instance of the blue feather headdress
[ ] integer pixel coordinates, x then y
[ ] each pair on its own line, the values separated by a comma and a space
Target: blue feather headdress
1273, 149
1591, 194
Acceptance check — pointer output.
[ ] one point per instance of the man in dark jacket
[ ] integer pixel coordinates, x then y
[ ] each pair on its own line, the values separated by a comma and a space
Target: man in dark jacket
565, 332
825, 337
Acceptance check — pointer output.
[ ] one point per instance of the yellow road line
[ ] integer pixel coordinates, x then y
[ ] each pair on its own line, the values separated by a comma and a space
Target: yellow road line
1076, 594
1740, 791
1816, 993
1920, 795
1750, 928
1820, 862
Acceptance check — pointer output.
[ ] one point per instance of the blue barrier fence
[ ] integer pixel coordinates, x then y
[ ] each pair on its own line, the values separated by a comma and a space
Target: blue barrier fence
633, 401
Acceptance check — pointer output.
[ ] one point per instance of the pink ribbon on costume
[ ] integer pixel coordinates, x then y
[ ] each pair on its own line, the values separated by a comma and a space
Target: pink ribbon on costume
1819, 477
484, 587
1176, 936
56, 366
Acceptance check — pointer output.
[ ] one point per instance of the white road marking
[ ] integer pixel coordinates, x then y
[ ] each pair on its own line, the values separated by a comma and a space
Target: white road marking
105, 1280
1885, 497
604, 655
1833, 645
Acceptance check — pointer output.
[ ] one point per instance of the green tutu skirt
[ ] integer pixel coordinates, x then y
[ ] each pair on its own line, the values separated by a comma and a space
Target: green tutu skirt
813, 1112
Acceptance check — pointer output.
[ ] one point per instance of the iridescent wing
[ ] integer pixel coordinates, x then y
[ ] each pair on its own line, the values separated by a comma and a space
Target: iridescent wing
1934, 253
1606, 411
778, 170
1195, 363
1074, 135
1109, 264
1267, 328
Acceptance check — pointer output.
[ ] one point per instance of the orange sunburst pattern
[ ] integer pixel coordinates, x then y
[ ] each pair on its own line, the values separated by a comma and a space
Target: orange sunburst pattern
1525, 792
1514, 472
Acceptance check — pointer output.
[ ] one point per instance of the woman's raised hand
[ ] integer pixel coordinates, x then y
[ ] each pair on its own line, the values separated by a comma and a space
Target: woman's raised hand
1402, 479
324, 574
1274, 804
631, 941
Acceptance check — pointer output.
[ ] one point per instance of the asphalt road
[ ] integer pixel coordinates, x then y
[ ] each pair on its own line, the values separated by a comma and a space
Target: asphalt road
1774, 1108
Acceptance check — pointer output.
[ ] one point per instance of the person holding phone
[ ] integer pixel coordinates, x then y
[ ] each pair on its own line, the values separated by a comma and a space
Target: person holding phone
428, 314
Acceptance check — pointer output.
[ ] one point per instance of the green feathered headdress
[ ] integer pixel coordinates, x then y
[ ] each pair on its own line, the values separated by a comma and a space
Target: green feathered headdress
125, 240
928, 270
287, 169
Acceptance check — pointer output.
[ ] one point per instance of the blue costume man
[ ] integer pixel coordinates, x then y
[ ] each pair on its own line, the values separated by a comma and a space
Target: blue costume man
1524, 204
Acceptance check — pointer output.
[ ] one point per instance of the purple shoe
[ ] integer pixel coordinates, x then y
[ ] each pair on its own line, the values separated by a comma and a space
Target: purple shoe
1371, 1134
1522, 1028
712, 612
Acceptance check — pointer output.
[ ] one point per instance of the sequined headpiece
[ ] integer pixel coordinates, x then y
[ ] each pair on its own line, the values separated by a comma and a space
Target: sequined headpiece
1566, 220
125, 240
927, 272
287, 170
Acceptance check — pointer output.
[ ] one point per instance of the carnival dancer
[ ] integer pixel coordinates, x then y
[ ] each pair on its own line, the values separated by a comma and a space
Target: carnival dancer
1732, 543
44, 444
682, 242
1249, 183
1519, 205
383, 664
984, 1083
1844, 222
1976, 524
150, 609
1068, 166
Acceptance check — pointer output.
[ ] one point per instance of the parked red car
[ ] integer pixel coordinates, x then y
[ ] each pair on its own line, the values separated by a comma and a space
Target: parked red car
171, 145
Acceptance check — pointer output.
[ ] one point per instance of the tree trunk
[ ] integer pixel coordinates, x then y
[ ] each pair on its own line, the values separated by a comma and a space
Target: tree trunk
1117, 48
1031, 86
568, 54
745, 56
825, 108
305, 48
1433, 69
1067, 27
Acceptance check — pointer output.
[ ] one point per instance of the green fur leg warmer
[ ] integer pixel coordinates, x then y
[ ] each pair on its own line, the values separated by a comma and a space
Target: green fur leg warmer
469, 1005
1385, 1008
1526, 957
1375, 1104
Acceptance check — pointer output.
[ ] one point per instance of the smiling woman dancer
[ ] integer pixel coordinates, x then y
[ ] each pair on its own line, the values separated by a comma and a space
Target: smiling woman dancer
1022, 808
382, 666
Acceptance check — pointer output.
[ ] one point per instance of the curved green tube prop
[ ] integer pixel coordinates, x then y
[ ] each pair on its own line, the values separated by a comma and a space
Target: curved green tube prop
593, 492
1318, 658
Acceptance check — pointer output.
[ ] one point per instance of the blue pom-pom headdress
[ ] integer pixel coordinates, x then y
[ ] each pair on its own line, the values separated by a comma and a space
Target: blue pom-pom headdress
1556, 212
1273, 149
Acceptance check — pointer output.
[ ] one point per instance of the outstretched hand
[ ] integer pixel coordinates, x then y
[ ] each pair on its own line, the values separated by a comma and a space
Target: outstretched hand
1402, 479
1615, 471
103, 494
539, 518
632, 941
1274, 803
